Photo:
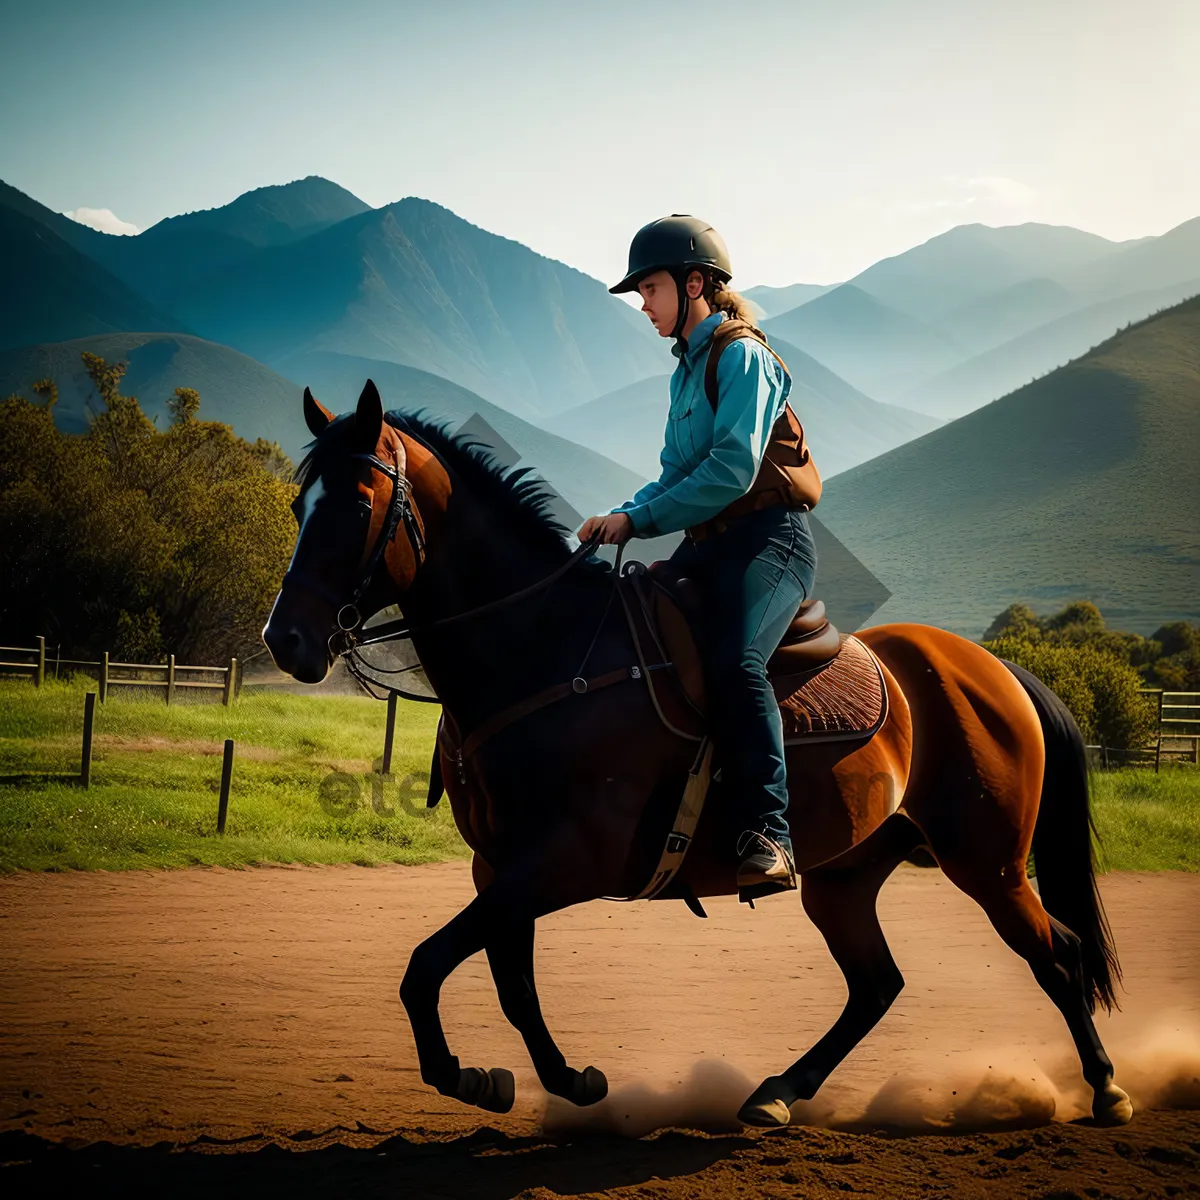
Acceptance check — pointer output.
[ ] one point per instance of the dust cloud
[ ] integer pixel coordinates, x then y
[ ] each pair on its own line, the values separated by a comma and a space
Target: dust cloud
1001, 1088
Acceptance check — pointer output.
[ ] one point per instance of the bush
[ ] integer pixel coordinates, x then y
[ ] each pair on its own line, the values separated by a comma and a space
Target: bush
1102, 692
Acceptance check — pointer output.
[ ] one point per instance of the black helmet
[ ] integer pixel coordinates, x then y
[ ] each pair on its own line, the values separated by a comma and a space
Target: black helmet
672, 243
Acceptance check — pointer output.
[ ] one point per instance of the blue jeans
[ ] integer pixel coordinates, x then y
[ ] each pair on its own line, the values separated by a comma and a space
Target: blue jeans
754, 577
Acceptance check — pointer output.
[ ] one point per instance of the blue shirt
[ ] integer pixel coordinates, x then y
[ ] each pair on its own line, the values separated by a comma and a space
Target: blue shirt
708, 462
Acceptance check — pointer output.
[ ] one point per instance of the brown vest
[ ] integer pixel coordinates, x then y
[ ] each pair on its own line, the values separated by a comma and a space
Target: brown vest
787, 474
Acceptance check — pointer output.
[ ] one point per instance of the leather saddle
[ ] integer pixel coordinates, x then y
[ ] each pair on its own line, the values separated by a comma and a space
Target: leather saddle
829, 685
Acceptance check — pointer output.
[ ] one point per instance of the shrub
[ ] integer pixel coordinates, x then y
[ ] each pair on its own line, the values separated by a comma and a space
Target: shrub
1102, 692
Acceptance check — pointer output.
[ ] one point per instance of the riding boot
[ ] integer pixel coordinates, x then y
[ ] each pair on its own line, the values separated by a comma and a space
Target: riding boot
764, 866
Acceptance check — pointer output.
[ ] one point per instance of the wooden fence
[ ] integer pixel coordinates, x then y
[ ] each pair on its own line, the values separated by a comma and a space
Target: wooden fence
1178, 726
34, 663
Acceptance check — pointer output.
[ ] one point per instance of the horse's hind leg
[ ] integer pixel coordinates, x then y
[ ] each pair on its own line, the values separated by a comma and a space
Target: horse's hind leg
840, 898
510, 957
1052, 952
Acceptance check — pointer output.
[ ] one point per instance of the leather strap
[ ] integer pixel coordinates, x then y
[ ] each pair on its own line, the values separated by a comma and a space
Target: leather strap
695, 791
550, 695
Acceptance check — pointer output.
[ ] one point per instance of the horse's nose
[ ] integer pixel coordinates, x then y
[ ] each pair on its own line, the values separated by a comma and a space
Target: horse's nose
284, 643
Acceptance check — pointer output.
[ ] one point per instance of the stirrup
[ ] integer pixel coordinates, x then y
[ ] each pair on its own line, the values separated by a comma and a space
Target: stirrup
776, 875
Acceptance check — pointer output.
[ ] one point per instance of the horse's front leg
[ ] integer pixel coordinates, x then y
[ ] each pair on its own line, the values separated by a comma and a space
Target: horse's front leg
511, 958
497, 920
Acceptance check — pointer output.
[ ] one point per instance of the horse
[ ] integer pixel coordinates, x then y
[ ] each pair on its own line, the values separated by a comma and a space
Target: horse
976, 764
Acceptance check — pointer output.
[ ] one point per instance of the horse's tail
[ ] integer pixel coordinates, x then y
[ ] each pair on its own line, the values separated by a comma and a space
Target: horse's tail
1063, 848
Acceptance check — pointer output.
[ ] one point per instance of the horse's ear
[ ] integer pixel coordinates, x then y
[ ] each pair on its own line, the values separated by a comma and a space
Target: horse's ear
316, 415
368, 417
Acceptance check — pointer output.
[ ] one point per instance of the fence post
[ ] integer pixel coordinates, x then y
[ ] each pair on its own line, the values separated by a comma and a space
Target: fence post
89, 716
230, 675
226, 777
1158, 742
40, 677
390, 734
104, 678
170, 678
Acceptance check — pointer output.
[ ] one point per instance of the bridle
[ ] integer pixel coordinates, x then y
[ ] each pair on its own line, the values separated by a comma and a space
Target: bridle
348, 635
400, 508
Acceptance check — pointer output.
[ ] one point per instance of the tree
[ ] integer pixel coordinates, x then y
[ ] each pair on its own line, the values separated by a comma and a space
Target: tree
184, 405
139, 540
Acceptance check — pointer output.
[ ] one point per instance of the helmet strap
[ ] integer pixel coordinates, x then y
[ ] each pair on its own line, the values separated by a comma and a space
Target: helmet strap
685, 304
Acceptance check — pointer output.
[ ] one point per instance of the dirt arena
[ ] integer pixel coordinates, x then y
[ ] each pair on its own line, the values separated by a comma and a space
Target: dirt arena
203, 1029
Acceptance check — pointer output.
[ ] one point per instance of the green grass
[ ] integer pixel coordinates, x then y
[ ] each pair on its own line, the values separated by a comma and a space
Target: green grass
1148, 822
156, 775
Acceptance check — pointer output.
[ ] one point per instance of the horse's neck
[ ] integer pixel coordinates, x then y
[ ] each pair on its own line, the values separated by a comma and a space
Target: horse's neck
478, 664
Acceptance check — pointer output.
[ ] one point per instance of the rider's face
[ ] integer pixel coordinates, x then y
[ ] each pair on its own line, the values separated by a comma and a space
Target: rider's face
660, 300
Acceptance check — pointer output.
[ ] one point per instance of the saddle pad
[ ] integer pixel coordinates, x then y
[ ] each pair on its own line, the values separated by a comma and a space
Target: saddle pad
845, 699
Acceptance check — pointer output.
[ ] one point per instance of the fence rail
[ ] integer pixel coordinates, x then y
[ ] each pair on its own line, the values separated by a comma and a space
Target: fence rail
1177, 736
168, 677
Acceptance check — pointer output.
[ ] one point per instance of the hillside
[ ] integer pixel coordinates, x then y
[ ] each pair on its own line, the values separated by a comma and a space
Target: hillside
1000, 316
50, 291
233, 388
842, 426
998, 371
1081, 485
414, 284
879, 349
589, 482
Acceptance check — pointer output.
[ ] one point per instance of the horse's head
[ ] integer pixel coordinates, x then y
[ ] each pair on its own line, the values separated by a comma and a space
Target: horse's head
360, 536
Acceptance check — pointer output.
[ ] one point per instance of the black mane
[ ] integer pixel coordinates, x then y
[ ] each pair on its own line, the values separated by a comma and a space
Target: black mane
520, 495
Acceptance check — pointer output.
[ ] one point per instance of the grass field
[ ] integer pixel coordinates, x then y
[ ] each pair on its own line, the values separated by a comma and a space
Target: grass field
305, 789
302, 789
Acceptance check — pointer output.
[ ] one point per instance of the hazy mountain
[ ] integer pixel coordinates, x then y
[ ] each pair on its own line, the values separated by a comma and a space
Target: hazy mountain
842, 426
1146, 265
588, 481
233, 388
171, 258
1081, 485
771, 301
999, 317
876, 348
965, 387
971, 261
168, 258
82, 237
50, 291
414, 284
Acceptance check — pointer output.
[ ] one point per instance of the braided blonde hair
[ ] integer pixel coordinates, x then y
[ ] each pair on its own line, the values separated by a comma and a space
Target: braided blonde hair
718, 296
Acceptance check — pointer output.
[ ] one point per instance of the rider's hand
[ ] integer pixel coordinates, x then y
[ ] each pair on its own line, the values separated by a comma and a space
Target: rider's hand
614, 528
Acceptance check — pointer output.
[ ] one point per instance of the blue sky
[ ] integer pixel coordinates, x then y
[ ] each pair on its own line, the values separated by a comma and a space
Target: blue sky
818, 137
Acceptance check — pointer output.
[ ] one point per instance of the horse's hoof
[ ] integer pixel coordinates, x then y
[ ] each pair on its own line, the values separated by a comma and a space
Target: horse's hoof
1112, 1107
766, 1107
588, 1087
493, 1091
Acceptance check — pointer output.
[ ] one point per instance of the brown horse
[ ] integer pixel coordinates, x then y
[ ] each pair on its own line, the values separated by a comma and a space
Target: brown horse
976, 764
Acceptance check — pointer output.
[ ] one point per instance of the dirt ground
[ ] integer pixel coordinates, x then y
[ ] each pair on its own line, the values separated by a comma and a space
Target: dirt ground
241, 1030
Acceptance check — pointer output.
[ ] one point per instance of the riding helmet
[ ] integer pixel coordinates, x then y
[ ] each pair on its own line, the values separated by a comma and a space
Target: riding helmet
672, 243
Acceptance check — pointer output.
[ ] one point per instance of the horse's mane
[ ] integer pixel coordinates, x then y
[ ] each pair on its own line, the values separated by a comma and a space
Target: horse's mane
519, 495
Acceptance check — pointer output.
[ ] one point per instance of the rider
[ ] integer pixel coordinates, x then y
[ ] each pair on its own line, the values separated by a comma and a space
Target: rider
755, 569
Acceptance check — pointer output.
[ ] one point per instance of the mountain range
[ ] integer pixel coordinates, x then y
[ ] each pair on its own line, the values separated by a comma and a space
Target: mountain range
904, 375
970, 314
